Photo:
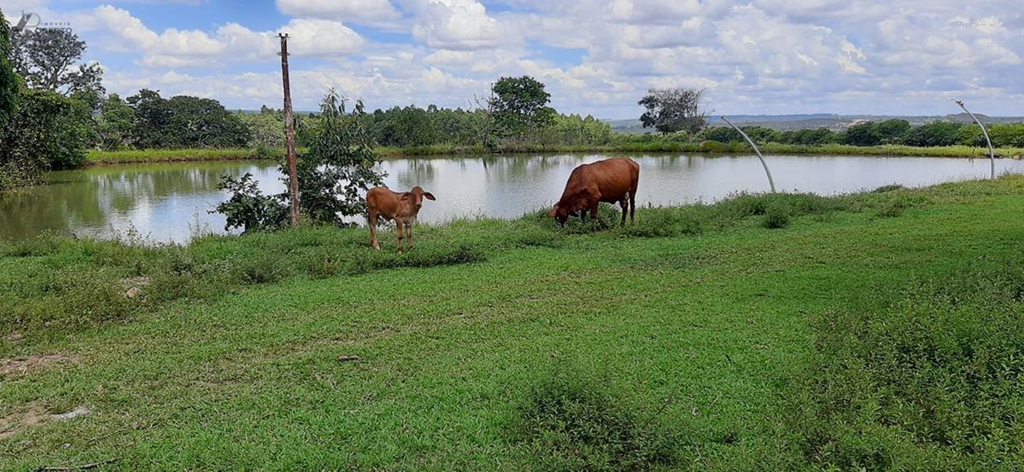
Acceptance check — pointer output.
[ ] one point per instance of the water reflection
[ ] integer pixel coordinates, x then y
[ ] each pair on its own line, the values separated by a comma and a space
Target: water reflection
168, 202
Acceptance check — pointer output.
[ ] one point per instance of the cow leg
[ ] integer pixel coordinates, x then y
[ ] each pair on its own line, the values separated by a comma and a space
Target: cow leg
625, 207
398, 228
632, 207
408, 234
593, 211
372, 217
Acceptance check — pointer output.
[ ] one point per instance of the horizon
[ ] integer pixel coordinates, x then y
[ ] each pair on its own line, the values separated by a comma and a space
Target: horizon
759, 57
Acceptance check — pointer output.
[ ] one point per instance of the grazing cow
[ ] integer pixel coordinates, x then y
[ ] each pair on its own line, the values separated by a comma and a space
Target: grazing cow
611, 180
399, 206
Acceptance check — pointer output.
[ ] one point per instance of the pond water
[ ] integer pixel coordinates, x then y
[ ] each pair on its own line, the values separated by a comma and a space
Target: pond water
171, 202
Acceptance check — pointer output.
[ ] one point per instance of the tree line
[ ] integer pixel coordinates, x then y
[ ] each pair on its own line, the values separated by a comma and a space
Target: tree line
871, 133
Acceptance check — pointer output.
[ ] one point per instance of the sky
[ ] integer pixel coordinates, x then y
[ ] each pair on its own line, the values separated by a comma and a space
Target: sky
596, 57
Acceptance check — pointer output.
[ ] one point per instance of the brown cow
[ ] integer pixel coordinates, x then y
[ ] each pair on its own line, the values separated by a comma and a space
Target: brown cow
611, 180
399, 206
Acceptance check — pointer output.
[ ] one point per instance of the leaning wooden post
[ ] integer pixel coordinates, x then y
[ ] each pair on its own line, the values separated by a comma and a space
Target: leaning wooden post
991, 150
289, 132
758, 151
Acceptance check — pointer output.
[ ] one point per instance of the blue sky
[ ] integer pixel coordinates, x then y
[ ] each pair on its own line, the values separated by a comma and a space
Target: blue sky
595, 57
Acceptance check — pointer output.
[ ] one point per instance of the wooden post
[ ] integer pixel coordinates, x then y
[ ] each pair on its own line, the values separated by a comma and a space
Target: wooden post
289, 132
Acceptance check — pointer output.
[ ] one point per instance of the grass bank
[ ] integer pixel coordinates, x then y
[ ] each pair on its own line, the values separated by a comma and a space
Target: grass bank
879, 330
708, 147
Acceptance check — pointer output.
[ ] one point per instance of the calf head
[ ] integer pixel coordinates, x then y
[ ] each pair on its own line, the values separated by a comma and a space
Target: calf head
416, 196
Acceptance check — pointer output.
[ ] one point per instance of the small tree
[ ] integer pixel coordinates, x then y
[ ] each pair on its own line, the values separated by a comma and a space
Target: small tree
671, 110
8, 81
333, 176
46, 58
518, 106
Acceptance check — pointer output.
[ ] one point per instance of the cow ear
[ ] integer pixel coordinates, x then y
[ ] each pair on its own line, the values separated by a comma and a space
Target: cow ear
553, 212
428, 196
408, 197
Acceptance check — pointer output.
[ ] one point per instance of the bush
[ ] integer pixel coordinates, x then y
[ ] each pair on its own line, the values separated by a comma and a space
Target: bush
932, 380
573, 423
776, 216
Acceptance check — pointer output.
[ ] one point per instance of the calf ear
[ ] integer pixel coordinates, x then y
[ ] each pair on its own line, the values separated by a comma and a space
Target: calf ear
428, 196
408, 197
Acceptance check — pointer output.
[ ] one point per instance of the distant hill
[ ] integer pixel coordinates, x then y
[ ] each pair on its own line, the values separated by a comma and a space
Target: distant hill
814, 121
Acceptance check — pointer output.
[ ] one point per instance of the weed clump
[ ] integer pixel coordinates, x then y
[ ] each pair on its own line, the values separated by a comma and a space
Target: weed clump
572, 423
934, 380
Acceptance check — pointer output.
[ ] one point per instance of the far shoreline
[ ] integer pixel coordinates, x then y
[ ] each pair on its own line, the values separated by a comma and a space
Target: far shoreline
136, 156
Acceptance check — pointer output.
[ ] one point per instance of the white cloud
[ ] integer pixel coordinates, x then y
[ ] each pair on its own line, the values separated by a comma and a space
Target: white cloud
351, 11
594, 56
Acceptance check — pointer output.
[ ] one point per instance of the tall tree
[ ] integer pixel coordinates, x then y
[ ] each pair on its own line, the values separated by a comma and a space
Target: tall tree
338, 169
8, 81
671, 110
519, 105
47, 58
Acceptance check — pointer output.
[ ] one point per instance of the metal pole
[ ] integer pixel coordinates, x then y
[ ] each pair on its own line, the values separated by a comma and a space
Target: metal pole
991, 150
289, 132
771, 181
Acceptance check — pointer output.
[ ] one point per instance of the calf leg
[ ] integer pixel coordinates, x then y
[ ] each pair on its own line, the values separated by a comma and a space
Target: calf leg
372, 217
398, 228
408, 233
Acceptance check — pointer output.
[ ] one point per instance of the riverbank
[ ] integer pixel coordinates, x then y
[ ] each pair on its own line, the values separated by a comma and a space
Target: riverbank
708, 147
877, 330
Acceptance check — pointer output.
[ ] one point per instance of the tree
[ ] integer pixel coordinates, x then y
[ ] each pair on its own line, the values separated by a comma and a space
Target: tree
518, 105
671, 110
338, 169
184, 122
41, 135
8, 81
46, 57
114, 125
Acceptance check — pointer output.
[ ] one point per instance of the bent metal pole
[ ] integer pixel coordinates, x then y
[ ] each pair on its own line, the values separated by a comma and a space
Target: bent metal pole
771, 181
991, 150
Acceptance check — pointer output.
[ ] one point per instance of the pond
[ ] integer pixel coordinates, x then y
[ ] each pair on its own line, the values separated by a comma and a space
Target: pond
171, 202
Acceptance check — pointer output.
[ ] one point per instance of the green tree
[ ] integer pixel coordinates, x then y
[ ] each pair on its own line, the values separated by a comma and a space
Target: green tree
937, 133
184, 122
8, 80
39, 137
862, 134
518, 106
672, 110
333, 176
46, 58
892, 131
114, 124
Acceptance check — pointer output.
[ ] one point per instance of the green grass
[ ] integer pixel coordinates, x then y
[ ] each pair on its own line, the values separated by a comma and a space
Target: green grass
699, 337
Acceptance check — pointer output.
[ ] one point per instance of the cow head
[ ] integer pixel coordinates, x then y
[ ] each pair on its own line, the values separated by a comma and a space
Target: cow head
416, 196
560, 214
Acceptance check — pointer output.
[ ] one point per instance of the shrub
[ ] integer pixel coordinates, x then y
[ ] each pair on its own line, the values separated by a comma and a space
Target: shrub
933, 379
776, 216
573, 423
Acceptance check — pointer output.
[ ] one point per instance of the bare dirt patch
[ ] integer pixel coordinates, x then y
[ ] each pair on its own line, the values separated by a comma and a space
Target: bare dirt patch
23, 365
31, 415
14, 422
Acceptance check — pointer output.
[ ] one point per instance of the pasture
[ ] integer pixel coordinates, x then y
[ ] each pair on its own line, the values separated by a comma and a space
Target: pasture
880, 330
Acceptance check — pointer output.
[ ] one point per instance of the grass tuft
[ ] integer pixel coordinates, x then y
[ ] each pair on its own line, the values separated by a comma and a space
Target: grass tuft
571, 422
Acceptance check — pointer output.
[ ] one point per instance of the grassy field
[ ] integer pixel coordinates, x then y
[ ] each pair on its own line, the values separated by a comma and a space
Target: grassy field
882, 330
711, 147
